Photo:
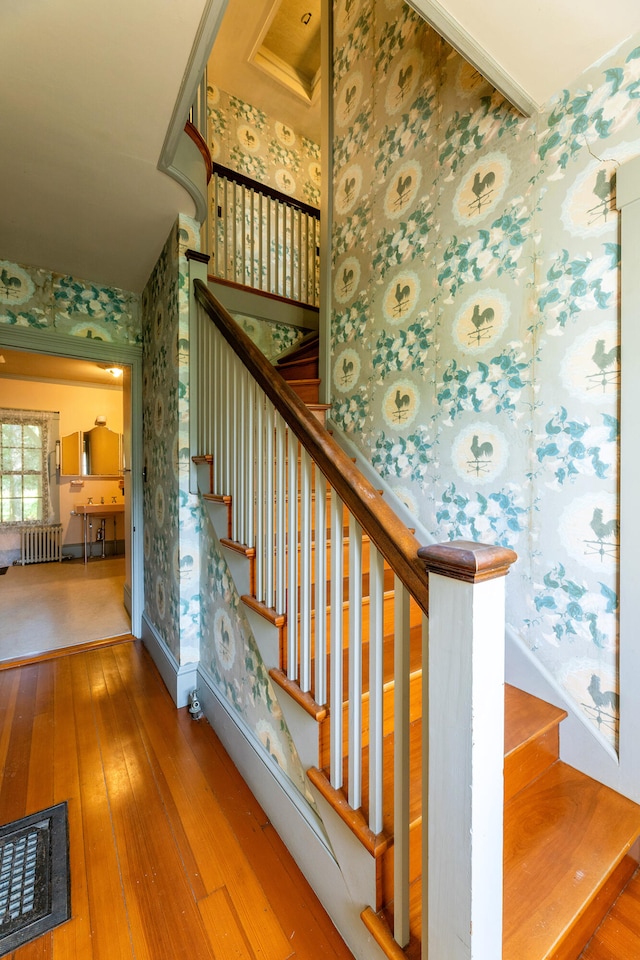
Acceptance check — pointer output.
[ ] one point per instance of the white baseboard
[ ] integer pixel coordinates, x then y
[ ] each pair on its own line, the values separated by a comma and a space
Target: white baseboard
179, 680
294, 820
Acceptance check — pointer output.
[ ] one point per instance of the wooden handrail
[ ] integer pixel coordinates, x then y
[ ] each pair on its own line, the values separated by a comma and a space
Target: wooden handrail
264, 189
395, 542
192, 131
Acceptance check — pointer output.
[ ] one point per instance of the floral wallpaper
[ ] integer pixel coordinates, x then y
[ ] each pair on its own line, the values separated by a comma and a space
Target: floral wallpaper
246, 139
189, 596
41, 300
477, 364
272, 338
231, 658
171, 514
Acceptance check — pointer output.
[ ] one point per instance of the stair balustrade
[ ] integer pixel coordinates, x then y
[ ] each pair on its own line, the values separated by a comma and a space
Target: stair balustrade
323, 546
262, 238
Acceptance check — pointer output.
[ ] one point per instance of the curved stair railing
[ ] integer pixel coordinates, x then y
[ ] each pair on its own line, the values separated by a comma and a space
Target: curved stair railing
327, 553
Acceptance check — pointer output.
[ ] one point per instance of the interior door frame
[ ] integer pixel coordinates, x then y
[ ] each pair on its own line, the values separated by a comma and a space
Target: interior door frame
60, 345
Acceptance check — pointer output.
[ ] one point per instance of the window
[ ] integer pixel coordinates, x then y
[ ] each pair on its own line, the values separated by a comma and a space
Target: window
22, 469
24, 483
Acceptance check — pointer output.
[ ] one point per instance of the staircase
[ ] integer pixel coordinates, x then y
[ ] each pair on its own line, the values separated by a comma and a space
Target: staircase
570, 844
299, 366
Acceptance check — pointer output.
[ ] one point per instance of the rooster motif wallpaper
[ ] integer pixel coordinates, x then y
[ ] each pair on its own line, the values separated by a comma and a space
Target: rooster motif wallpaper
190, 598
246, 139
477, 364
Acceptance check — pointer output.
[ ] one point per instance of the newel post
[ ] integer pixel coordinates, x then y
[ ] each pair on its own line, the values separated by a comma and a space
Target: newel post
463, 751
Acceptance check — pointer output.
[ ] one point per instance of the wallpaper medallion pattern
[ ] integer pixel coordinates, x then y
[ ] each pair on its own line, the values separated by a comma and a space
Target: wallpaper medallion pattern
42, 300
172, 516
475, 340
248, 140
190, 597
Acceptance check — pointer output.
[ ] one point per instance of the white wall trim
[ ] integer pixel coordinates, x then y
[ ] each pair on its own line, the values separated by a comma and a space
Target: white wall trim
207, 31
179, 680
63, 345
293, 819
188, 169
466, 45
628, 200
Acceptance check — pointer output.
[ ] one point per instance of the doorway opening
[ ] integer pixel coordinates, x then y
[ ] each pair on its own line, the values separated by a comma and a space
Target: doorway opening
86, 596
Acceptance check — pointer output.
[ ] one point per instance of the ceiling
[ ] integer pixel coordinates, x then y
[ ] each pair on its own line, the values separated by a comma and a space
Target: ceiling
542, 46
274, 63
25, 365
87, 93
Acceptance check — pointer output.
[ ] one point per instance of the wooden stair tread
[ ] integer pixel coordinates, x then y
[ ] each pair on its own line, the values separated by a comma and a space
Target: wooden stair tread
309, 346
526, 717
563, 836
618, 936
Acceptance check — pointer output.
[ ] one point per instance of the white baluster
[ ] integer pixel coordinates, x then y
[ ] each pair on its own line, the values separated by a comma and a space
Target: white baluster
227, 413
320, 538
251, 462
401, 768
355, 663
260, 468
305, 571
220, 415
292, 560
270, 255
376, 682
235, 444
336, 669
281, 518
277, 257
269, 498
241, 482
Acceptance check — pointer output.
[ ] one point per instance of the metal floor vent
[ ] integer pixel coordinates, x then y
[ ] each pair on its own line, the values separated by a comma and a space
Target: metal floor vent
34, 877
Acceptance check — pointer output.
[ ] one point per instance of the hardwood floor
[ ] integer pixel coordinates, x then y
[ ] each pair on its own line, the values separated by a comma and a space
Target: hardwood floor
171, 856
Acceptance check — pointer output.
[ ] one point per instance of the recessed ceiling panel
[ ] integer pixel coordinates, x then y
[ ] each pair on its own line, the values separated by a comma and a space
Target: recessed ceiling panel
289, 46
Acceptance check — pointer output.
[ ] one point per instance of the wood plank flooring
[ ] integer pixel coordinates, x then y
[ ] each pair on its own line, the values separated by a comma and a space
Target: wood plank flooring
172, 857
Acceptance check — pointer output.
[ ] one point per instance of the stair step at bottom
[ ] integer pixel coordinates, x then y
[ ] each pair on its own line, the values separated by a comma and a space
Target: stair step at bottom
618, 936
531, 738
565, 835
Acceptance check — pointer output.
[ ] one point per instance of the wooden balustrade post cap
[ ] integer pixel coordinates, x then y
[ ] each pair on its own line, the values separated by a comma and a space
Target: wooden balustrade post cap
467, 560
197, 255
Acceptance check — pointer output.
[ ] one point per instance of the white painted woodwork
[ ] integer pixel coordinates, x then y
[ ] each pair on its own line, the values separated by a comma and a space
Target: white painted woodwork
305, 570
336, 639
292, 559
402, 765
261, 543
269, 503
355, 663
628, 192
281, 520
321, 586
465, 757
376, 680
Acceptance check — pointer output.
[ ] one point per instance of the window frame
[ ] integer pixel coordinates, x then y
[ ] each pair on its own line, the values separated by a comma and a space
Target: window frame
42, 420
